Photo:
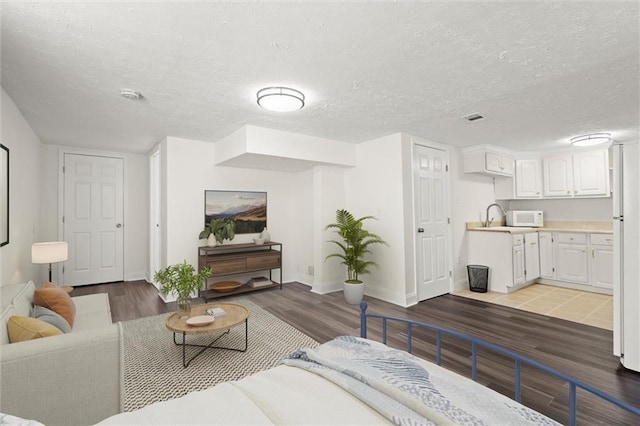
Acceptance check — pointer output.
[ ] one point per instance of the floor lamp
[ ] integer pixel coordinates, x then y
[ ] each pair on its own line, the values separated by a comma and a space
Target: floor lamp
50, 252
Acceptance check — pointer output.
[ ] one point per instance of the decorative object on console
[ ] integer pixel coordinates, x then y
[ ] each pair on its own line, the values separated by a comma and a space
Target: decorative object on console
246, 209
354, 246
265, 235
259, 241
257, 282
225, 286
218, 230
183, 280
4, 195
49, 252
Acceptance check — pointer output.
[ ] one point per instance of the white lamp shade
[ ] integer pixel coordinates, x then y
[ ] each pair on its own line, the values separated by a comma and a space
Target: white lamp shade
50, 252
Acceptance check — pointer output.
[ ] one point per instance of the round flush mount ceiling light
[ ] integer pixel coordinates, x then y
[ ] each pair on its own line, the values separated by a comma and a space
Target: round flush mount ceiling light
130, 94
591, 139
280, 99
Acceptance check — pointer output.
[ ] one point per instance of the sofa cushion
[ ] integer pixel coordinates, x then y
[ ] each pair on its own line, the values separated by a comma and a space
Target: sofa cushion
92, 311
56, 299
6, 313
50, 317
23, 300
22, 328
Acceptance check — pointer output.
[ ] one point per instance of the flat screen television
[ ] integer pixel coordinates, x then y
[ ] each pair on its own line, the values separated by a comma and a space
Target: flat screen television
246, 208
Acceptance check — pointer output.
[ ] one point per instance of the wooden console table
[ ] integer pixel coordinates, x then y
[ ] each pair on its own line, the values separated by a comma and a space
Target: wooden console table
232, 259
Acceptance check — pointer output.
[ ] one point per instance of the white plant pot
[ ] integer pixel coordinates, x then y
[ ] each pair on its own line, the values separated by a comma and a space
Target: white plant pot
353, 293
211, 241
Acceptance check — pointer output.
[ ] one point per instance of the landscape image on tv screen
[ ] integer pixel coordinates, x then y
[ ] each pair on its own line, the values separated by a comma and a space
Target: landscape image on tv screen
247, 209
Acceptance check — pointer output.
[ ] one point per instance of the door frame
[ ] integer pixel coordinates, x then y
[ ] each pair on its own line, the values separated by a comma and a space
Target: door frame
412, 299
155, 213
87, 152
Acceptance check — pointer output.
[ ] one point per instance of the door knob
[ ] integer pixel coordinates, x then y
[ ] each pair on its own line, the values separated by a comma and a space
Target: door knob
420, 229
118, 225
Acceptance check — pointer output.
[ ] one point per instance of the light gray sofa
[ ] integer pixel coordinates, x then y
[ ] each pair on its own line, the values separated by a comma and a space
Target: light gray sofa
74, 378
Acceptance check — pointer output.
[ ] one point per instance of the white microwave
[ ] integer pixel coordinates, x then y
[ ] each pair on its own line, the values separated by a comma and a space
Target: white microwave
533, 218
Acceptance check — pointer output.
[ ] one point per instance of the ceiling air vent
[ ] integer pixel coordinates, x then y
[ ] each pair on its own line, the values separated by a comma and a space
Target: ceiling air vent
473, 117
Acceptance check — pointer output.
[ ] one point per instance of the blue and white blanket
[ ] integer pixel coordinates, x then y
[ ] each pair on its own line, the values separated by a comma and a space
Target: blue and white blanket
408, 390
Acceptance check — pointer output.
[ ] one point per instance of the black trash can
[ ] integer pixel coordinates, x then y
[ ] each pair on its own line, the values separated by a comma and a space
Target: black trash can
478, 278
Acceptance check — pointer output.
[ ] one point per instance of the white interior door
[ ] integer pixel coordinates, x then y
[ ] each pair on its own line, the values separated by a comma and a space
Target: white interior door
430, 167
93, 219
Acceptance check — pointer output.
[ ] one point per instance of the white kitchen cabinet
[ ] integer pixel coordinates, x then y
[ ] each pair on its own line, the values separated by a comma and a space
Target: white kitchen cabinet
531, 257
526, 182
528, 178
580, 174
572, 258
493, 249
591, 173
547, 262
488, 160
601, 260
499, 163
518, 260
557, 176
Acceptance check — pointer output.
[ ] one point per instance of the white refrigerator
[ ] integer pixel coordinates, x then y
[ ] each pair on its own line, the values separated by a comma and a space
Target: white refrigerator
626, 254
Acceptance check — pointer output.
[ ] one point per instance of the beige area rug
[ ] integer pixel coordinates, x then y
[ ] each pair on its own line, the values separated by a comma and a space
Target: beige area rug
153, 363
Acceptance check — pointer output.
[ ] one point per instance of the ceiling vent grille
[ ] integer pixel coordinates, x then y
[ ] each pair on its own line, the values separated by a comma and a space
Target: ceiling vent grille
473, 117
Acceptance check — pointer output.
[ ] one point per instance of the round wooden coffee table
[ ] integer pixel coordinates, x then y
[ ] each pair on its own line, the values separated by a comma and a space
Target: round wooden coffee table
234, 316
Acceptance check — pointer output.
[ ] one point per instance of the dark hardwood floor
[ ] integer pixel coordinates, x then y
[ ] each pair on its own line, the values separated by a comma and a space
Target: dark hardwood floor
578, 350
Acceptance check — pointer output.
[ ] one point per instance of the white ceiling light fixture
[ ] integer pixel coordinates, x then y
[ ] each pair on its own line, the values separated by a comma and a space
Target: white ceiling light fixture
130, 94
280, 99
590, 139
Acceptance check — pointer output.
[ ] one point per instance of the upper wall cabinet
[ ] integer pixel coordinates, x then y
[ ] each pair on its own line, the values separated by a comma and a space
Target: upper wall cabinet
560, 175
528, 178
583, 174
488, 160
591, 173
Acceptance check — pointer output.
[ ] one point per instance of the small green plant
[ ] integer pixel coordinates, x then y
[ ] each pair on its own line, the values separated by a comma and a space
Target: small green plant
355, 244
181, 278
220, 228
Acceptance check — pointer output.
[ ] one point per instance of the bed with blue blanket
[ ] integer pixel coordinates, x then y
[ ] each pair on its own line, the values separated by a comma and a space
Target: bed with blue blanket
352, 380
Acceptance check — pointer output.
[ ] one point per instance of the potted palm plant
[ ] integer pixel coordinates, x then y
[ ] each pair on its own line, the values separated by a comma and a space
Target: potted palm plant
354, 246
183, 280
218, 230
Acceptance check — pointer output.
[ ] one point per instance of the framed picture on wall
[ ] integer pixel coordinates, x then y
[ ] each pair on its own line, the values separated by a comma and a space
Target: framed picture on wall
4, 195
247, 209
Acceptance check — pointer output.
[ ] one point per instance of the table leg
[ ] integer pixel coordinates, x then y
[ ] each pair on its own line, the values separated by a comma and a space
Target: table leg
184, 344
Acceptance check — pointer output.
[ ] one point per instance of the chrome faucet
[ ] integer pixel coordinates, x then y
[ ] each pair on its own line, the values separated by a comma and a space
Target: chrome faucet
487, 222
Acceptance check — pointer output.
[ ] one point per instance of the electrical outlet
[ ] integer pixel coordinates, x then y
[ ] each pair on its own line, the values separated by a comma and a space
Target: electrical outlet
310, 270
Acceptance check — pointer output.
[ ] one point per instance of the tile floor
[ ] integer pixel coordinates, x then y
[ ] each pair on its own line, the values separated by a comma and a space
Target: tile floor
573, 305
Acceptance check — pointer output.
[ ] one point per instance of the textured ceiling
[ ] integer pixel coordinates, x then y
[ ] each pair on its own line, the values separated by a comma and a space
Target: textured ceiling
540, 72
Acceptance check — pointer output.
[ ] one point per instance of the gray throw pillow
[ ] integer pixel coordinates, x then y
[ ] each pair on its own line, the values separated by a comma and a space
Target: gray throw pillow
52, 318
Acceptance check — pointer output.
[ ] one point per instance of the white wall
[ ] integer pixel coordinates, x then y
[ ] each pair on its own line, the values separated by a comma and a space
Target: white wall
190, 171
24, 203
583, 209
374, 188
471, 193
328, 196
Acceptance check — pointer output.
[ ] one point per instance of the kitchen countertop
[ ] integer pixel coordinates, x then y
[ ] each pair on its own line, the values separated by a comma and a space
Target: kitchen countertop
550, 226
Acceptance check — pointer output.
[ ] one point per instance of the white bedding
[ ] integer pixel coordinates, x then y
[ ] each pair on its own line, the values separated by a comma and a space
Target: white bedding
281, 395
345, 381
